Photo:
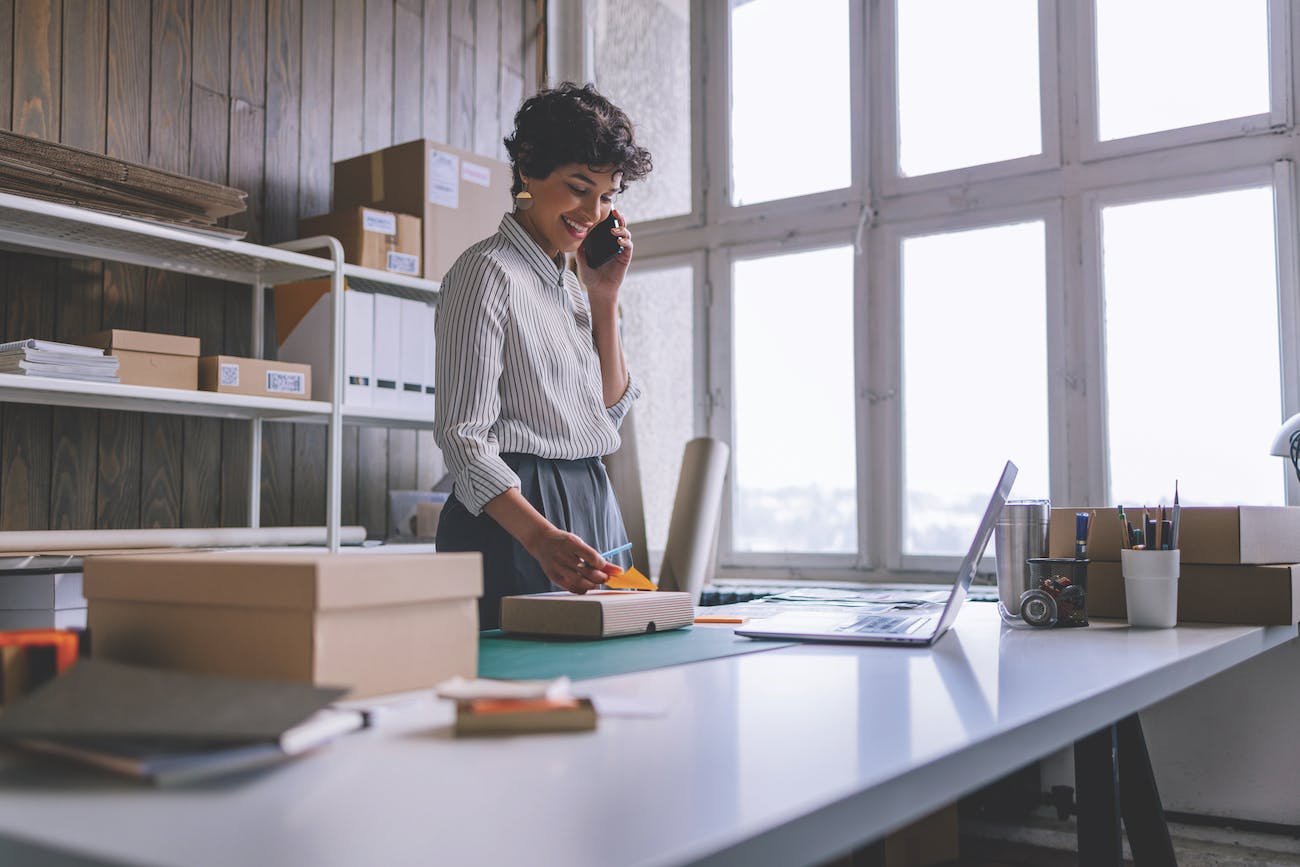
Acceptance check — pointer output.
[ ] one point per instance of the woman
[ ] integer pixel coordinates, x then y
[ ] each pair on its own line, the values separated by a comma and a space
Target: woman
532, 384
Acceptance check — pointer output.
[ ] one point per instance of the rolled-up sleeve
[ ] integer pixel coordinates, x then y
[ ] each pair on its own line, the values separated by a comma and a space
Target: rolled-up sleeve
620, 409
473, 310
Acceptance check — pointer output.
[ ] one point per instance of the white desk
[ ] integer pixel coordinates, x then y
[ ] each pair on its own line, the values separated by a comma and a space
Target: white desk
783, 757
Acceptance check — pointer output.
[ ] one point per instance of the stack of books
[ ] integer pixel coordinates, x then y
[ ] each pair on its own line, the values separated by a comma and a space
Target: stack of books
46, 358
169, 727
503, 707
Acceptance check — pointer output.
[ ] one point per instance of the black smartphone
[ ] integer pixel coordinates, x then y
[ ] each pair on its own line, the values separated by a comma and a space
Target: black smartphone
600, 245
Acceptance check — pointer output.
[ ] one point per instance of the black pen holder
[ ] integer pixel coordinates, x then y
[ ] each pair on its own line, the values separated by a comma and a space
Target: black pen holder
1058, 594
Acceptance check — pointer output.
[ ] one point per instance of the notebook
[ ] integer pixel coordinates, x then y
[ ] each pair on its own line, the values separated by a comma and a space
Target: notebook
857, 627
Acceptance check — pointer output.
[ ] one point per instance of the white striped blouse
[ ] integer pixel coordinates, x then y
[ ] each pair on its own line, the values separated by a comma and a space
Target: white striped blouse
517, 370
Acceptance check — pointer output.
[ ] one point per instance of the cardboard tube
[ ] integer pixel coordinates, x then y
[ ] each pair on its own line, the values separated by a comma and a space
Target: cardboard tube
691, 550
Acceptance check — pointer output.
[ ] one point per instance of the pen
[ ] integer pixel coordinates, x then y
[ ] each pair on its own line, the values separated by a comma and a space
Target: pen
1124, 540
619, 550
1173, 531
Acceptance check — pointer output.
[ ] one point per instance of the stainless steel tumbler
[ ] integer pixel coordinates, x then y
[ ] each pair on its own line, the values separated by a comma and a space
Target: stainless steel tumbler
1021, 533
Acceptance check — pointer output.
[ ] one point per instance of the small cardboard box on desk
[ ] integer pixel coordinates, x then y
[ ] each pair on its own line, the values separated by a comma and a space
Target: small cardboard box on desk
377, 623
144, 358
1240, 564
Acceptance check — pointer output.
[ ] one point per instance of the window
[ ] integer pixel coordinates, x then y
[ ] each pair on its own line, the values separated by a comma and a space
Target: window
658, 320
1165, 64
974, 377
793, 456
967, 83
790, 133
937, 234
630, 37
1193, 374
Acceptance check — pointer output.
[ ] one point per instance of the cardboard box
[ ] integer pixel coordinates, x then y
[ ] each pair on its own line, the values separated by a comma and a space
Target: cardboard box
1210, 593
1227, 535
144, 358
599, 614
228, 374
374, 622
371, 238
459, 195
303, 324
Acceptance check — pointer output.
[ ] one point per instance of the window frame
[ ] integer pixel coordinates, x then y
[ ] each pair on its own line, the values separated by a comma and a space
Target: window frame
1061, 186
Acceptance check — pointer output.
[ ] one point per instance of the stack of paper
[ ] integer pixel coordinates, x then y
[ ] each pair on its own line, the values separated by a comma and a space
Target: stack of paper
170, 726
61, 173
47, 358
499, 707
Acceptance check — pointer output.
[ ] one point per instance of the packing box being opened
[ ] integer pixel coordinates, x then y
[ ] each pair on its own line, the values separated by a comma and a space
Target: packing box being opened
598, 614
231, 375
1206, 534
371, 238
144, 358
374, 622
459, 195
1210, 593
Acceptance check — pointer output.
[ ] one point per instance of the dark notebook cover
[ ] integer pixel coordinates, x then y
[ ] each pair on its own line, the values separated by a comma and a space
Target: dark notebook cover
98, 700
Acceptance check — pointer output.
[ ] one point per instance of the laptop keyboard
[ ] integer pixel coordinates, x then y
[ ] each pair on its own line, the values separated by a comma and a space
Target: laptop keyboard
882, 623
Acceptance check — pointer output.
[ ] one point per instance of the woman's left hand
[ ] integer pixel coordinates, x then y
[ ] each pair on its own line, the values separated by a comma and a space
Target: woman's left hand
603, 283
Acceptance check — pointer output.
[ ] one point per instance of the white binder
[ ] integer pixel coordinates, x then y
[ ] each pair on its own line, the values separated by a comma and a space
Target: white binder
415, 324
358, 348
388, 351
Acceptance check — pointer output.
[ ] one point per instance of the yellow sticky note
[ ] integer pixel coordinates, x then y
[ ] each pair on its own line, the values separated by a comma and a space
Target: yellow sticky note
630, 580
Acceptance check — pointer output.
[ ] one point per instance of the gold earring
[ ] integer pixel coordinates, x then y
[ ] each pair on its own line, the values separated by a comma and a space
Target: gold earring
523, 200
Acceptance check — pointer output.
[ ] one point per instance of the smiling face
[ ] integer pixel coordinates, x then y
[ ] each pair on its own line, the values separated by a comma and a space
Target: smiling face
567, 203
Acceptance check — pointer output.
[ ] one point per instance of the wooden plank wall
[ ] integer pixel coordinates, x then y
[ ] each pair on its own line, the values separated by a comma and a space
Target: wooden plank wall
263, 95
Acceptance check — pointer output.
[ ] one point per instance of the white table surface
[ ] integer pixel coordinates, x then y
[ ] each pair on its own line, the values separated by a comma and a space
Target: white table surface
782, 757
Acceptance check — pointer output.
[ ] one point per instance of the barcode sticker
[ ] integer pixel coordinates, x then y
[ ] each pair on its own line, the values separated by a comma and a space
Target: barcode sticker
444, 179
403, 263
475, 173
378, 221
230, 375
285, 382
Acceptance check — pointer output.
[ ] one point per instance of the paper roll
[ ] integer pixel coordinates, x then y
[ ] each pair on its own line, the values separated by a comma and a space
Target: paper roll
691, 551
39, 541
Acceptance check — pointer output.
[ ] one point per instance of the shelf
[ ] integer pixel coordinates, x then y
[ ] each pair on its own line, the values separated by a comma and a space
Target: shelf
41, 227
372, 280
421, 419
18, 388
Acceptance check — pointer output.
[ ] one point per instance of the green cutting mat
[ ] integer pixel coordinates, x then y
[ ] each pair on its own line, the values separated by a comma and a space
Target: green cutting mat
512, 658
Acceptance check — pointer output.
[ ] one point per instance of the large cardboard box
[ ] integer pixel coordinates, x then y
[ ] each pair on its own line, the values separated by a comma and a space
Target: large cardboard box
371, 238
144, 358
229, 374
459, 195
1210, 593
303, 324
374, 622
1206, 534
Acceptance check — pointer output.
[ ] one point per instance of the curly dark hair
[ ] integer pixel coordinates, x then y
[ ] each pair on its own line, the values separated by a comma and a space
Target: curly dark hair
573, 124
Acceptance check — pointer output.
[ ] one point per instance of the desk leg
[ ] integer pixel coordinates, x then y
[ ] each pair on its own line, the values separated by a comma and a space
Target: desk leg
1144, 817
1096, 787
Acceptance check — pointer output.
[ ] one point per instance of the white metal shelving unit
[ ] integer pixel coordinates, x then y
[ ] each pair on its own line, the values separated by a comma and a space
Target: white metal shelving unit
46, 228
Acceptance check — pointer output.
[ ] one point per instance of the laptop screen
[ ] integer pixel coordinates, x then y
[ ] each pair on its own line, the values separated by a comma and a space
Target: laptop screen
966, 573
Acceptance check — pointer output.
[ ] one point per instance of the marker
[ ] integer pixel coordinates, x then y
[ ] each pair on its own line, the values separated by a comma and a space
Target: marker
1080, 535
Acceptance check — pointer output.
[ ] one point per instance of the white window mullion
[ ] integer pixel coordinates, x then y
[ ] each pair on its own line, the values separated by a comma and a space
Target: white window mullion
1288, 284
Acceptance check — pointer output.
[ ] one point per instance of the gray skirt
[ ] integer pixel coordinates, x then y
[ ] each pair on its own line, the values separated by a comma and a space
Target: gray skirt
575, 496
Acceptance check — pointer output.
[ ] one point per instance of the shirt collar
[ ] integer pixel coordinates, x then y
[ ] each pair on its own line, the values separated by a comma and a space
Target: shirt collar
549, 269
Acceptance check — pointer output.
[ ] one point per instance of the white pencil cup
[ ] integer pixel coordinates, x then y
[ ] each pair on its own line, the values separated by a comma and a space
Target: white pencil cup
1151, 586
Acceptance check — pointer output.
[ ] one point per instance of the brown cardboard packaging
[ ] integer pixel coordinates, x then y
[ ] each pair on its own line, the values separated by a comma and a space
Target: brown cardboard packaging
231, 375
1206, 534
602, 614
1210, 593
144, 358
374, 622
459, 195
371, 238
929, 840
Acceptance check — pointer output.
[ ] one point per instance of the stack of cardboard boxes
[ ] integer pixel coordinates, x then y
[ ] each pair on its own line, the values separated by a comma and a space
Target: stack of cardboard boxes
411, 207
1239, 564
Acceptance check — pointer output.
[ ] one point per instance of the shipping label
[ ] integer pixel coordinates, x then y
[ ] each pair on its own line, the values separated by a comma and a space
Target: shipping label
229, 375
444, 179
285, 382
403, 263
476, 174
378, 221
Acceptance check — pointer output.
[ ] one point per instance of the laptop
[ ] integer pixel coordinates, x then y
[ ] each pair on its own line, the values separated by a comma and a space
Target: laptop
915, 629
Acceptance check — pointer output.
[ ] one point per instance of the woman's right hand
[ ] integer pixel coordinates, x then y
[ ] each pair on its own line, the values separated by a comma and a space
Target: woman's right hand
567, 560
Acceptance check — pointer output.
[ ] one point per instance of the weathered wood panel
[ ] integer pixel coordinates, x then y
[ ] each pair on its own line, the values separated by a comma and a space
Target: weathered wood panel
264, 95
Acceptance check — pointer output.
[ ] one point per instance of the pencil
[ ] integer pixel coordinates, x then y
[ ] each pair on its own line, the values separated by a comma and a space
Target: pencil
1173, 529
